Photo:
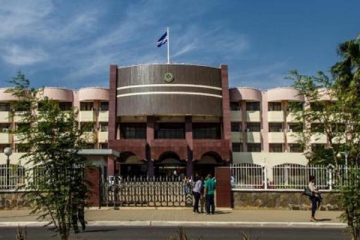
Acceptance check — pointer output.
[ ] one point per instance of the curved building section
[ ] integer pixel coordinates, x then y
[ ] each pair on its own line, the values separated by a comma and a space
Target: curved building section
284, 94
93, 93
169, 116
247, 94
59, 94
6, 97
166, 89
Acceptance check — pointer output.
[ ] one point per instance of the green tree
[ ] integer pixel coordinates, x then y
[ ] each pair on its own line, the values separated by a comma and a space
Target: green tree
339, 119
56, 186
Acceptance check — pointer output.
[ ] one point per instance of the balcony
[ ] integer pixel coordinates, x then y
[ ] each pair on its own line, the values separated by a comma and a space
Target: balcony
318, 138
253, 116
276, 137
103, 137
293, 137
291, 117
253, 137
276, 116
86, 116
5, 117
103, 116
236, 136
236, 116
4, 138
19, 117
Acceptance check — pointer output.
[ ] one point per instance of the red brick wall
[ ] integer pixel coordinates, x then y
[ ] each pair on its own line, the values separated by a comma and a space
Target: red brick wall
223, 187
93, 177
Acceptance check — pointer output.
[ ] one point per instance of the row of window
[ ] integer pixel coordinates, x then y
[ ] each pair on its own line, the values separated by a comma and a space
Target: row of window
278, 106
273, 147
170, 131
65, 106
279, 127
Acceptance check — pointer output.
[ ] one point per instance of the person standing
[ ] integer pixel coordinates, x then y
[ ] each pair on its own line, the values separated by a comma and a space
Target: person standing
197, 193
210, 185
315, 197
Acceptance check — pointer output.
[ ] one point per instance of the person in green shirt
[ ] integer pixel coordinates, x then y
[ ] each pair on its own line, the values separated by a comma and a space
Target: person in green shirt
210, 185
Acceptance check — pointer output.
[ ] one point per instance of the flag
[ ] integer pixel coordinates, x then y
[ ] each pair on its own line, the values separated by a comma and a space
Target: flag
162, 40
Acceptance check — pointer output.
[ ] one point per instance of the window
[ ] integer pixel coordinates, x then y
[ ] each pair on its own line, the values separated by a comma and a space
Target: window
253, 127
103, 145
22, 148
133, 130
275, 147
65, 106
86, 106
275, 127
317, 127
4, 127
274, 106
104, 106
317, 106
237, 147
4, 107
296, 127
170, 131
22, 106
293, 147
234, 106
236, 126
295, 106
252, 106
87, 126
254, 147
103, 127
317, 147
3, 146
206, 131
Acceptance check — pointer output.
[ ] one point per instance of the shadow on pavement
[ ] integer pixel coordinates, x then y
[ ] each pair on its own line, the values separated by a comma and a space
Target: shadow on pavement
221, 212
323, 219
99, 230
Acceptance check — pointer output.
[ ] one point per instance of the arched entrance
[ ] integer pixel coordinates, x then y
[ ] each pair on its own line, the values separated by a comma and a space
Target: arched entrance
132, 166
169, 165
207, 163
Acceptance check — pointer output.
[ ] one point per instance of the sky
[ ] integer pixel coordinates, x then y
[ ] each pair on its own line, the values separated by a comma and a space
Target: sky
71, 44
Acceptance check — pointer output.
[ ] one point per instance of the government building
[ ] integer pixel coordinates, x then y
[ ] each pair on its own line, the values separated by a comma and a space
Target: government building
174, 119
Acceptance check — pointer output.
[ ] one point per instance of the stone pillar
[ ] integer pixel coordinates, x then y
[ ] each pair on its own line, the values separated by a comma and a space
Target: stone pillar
189, 141
223, 187
150, 135
93, 176
110, 166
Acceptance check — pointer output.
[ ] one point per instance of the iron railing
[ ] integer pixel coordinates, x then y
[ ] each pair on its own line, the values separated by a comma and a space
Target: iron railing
287, 176
147, 192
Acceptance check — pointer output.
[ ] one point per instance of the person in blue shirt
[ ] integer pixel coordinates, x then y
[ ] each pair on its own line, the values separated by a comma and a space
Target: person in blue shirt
210, 185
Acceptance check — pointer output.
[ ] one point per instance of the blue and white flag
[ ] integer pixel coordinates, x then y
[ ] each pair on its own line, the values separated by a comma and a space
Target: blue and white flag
162, 40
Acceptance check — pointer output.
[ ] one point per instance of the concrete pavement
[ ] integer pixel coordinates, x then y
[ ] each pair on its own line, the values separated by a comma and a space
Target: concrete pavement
185, 217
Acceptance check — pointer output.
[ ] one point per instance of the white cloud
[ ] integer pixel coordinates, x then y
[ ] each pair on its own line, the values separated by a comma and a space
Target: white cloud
19, 56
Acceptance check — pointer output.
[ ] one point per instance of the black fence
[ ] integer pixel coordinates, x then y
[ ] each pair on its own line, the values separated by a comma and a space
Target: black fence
147, 192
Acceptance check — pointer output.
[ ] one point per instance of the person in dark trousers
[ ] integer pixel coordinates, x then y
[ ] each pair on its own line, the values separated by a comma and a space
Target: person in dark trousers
78, 214
197, 193
315, 198
210, 185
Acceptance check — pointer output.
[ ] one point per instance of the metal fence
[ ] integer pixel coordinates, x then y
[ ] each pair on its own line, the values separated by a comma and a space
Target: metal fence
147, 192
12, 177
286, 176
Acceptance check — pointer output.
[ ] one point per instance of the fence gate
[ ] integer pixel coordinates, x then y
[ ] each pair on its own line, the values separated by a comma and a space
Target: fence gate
147, 192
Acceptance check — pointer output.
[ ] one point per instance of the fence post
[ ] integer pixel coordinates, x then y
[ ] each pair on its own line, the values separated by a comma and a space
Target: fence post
265, 177
330, 179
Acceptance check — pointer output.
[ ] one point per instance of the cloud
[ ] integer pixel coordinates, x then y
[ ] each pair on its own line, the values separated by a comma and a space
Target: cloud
17, 55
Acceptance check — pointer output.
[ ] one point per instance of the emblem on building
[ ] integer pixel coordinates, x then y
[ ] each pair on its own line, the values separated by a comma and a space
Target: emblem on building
168, 77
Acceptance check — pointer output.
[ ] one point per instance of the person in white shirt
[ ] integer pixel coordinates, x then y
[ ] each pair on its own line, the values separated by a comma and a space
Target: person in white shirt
315, 198
197, 193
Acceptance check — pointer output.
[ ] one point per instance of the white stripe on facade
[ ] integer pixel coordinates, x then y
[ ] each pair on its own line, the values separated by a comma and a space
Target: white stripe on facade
169, 85
169, 93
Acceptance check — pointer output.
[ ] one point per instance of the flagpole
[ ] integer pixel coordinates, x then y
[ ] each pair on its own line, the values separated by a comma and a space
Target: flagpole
168, 45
